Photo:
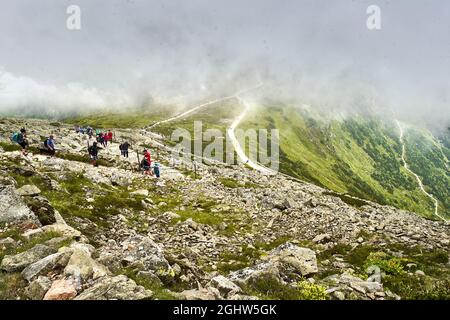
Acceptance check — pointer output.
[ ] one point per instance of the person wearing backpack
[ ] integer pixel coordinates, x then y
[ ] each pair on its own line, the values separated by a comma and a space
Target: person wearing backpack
93, 152
20, 139
49, 145
124, 149
147, 163
156, 169
109, 136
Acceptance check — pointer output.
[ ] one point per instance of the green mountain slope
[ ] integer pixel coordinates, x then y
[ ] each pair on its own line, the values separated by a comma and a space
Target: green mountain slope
355, 155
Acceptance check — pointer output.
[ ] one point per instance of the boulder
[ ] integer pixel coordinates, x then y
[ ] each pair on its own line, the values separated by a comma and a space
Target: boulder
289, 203
42, 209
7, 243
225, 286
324, 237
292, 258
118, 179
136, 250
118, 287
262, 270
37, 289
13, 209
346, 282
28, 190
83, 266
45, 265
18, 262
61, 290
199, 294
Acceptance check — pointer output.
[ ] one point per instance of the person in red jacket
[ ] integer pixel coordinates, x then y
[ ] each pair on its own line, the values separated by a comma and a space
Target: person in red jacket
147, 162
109, 136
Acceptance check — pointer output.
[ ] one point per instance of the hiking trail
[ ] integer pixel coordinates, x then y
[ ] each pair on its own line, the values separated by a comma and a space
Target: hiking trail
419, 181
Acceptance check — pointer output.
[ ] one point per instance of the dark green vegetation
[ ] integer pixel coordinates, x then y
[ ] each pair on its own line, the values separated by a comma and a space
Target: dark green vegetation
426, 158
269, 288
356, 156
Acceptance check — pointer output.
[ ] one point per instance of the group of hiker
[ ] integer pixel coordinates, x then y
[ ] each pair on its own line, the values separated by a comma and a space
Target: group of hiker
20, 137
49, 147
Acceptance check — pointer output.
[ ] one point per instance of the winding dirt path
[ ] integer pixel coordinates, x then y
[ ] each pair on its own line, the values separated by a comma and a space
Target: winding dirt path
419, 181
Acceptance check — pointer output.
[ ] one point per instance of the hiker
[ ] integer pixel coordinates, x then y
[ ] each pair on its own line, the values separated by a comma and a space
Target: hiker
109, 136
146, 162
156, 169
89, 131
49, 145
93, 152
124, 149
20, 138
101, 139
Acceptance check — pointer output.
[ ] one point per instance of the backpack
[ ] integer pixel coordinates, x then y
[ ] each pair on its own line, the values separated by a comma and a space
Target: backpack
46, 143
15, 137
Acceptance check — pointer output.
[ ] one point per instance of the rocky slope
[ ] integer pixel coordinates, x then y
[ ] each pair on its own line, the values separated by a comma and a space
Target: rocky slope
69, 230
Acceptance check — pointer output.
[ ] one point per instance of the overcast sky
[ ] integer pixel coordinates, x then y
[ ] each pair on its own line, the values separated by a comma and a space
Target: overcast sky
317, 52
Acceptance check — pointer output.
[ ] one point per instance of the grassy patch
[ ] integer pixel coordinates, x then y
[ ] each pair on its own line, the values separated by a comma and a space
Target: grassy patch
9, 147
157, 288
269, 288
12, 286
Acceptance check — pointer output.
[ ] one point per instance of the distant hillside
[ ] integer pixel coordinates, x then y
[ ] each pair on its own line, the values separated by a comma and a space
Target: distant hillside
358, 156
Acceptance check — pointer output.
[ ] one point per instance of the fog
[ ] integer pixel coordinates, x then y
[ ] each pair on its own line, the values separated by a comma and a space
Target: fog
176, 52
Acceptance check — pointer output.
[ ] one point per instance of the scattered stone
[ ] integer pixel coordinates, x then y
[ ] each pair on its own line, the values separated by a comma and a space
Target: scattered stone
18, 262
45, 265
28, 190
13, 209
119, 287
225, 286
61, 290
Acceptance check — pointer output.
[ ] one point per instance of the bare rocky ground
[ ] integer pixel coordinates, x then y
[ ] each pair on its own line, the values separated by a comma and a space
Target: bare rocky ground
69, 230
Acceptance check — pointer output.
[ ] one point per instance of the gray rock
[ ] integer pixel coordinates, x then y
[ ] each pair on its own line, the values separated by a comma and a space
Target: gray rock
225, 286
199, 294
81, 265
119, 287
45, 265
38, 288
136, 249
13, 209
294, 258
18, 262
7, 243
321, 238
149, 277
28, 190
289, 203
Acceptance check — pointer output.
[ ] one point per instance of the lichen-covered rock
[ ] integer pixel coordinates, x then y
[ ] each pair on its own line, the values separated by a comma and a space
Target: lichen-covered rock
18, 262
119, 287
12, 208
45, 265
28, 190
37, 289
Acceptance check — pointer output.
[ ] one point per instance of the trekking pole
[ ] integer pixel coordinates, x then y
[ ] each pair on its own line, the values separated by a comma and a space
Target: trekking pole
139, 162
195, 170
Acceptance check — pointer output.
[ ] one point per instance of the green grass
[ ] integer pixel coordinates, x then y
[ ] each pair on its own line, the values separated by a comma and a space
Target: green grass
269, 288
356, 156
132, 119
8, 147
